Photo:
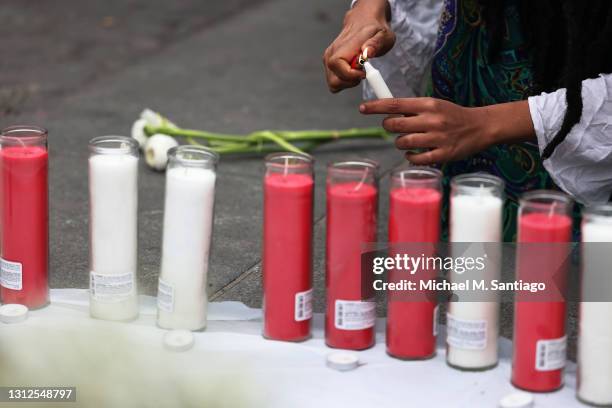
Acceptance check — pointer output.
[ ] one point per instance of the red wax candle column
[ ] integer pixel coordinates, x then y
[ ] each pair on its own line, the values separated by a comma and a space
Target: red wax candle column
539, 323
352, 206
287, 246
414, 217
24, 216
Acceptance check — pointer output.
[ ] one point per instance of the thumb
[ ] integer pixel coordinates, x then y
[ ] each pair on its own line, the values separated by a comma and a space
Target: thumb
379, 44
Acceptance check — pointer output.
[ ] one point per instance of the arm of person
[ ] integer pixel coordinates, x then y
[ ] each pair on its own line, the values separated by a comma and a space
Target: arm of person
582, 164
450, 132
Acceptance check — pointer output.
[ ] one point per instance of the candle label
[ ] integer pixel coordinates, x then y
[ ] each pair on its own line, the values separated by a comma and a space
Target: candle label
435, 320
466, 334
355, 315
550, 354
303, 305
165, 296
111, 288
11, 275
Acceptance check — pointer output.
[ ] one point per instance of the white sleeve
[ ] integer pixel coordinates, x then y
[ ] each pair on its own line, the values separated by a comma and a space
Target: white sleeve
415, 24
582, 164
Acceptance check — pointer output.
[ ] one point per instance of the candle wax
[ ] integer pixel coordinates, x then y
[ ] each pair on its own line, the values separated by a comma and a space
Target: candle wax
287, 256
414, 216
475, 219
24, 211
376, 82
595, 338
351, 222
535, 322
188, 222
113, 186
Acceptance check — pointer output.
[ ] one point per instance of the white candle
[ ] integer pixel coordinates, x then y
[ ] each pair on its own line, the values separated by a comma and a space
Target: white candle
475, 217
188, 222
595, 324
113, 199
376, 82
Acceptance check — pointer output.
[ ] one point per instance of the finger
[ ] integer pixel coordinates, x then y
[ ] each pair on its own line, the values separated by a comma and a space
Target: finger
342, 69
336, 84
427, 158
407, 124
379, 44
417, 141
405, 106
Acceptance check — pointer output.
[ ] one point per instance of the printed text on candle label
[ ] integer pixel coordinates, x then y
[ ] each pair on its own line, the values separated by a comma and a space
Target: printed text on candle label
355, 315
11, 274
466, 334
303, 305
550, 354
111, 288
165, 297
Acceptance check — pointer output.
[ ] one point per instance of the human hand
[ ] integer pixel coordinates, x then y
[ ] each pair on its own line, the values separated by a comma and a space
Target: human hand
446, 131
365, 26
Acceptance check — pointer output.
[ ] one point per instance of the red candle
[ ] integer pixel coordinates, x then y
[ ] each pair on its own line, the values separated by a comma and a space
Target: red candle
24, 216
352, 203
287, 247
414, 217
539, 323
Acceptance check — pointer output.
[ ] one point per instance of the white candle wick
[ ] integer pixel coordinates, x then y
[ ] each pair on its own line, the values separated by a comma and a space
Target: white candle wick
358, 186
286, 168
551, 211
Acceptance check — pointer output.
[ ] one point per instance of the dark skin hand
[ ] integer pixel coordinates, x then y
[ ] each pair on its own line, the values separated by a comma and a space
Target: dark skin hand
365, 26
441, 131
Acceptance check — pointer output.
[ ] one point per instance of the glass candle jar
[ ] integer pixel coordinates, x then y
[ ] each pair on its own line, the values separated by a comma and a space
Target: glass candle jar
113, 227
415, 202
476, 219
594, 334
539, 347
24, 216
352, 210
287, 246
182, 299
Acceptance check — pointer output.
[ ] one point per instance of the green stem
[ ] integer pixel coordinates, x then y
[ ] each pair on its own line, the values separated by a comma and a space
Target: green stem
266, 134
334, 134
190, 133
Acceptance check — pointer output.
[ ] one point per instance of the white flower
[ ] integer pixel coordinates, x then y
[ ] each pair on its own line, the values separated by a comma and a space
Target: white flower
154, 119
138, 132
150, 118
156, 150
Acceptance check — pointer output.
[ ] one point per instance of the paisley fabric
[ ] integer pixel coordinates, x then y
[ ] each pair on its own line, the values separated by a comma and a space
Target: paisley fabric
463, 73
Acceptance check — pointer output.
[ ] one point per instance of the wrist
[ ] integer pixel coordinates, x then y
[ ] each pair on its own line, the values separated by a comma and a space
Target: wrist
506, 123
378, 9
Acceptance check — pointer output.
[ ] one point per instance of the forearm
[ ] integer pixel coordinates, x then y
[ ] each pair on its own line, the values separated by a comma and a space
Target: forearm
378, 8
507, 123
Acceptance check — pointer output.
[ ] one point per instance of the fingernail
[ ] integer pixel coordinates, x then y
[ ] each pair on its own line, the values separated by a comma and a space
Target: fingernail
362, 108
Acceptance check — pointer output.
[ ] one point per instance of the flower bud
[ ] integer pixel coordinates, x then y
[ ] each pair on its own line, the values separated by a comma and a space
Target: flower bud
138, 132
156, 150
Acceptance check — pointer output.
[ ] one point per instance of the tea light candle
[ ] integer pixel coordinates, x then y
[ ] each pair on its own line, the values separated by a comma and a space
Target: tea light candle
352, 207
539, 344
594, 335
287, 246
182, 300
113, 221
24, 216
475, 217
414, 216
